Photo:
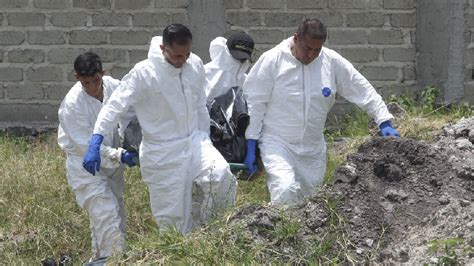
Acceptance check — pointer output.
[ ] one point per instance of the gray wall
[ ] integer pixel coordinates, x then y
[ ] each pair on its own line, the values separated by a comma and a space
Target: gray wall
39, 40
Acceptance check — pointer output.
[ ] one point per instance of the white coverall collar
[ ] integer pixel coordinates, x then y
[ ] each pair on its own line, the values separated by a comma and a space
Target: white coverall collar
155, 53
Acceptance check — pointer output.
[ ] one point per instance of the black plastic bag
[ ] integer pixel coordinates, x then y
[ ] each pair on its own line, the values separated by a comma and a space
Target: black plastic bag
229, 120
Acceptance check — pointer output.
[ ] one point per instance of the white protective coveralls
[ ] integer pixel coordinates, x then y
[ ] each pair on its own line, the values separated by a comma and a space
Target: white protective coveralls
176, 152
224, 71
288, 109
100, 195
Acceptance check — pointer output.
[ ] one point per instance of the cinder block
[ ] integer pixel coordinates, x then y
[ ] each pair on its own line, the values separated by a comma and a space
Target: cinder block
25, 19
14, 3
135, 4
129, 37
27, 91
365, 19
306, 4
348, 4
469, 56
28, 112
88, 37
361, 55
386, 37
71, 74
92, 4
179, 18
171, 3
267, 36
64, 55
11, 37
283, 19
467, 38
46, 37
388, 90
69, 19
265, 4
328, 19
39, 74
233, 4
51, 4
137, 55
409, 72
399, 4
244, 19
347, 37
403, 19
11, 74
469, 93
469, 20
468, 73
376, 4
380, 73
57, 91
110, 19
118, 71
151, 19
26, 56
111, 54
399, 54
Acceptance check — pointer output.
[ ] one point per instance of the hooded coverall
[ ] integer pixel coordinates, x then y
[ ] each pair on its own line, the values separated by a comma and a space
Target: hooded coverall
100, 195
176, 152
224, 71
288, 104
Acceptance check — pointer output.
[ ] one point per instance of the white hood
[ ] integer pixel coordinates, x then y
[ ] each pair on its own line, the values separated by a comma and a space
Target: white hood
224, 71
155, 50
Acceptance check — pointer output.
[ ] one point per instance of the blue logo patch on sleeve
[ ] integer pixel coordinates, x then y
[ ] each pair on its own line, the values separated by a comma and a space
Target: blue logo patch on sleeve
326, 91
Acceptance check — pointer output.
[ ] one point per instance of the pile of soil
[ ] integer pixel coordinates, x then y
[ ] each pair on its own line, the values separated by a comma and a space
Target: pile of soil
396, 200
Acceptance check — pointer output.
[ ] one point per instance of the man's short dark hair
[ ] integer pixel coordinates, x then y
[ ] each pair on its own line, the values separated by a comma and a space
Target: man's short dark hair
87, 64
176, 33
313, 28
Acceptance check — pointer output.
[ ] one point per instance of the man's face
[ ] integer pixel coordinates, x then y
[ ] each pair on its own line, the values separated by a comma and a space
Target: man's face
306, 49
176, 54
92, 84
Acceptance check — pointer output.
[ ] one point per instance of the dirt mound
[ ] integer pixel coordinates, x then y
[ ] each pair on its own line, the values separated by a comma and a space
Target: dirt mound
395, 200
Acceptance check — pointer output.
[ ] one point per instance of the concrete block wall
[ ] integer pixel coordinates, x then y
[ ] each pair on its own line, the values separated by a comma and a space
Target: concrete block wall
377, 36
39, 40
469, 52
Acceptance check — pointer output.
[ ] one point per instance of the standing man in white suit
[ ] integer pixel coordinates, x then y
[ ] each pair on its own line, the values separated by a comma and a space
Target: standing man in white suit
101, 194
167, 94
290, 91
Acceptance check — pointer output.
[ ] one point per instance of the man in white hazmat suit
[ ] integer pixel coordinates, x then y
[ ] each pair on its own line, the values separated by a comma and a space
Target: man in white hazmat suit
230, 60
290, 91
100, 195
167, 94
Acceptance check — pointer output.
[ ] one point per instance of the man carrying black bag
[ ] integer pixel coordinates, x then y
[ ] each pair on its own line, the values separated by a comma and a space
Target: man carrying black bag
225, 76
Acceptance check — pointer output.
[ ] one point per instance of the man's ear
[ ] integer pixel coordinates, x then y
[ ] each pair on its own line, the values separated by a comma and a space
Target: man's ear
76, 75
295, 37
102, 72
162, 47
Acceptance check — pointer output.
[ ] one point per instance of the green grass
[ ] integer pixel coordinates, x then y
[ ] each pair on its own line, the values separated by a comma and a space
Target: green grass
39, 217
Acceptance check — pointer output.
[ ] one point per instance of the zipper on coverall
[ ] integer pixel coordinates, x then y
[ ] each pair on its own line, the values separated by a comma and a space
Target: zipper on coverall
185, 101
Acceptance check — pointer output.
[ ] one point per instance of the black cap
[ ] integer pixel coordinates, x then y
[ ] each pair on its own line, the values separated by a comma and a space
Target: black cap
240, 45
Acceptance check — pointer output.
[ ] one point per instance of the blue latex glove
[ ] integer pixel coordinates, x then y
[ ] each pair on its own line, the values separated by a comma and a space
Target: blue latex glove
92, 157
128, 158
387, 130
251, 156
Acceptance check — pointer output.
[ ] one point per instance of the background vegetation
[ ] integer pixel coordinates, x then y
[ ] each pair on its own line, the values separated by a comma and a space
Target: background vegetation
39, 217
